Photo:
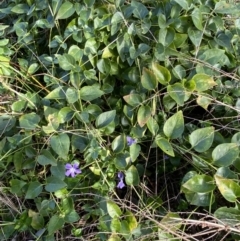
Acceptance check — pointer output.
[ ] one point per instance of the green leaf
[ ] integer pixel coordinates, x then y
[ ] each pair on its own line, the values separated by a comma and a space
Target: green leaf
29, 121
46, 158
177, 92
197, 18
236, 138
33, 68
37, 220
204, 101
89, 93
165, 145
58, 170
166, 36
132, 221
144, 113
60, 144
54, 184
153, 126
65, 114
148, 79
203, 82
228, 188
183, 3
65, 11
162, 74
105, 118
131, 176
140, 11
56, 222
75, 52
174, 126
104, 66
202, 139
229, 216
72, 95
195, 36
71, 217
200, 184
57, 94
121, 161
179, 72
7, 122
113, 209
118, 143
20, 8
34, 189
225, 154
66, 62
134, 151
133, 99
115, 225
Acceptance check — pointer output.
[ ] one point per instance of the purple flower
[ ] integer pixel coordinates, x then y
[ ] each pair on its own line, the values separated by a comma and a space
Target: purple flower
120, 183
130, 141
72, 170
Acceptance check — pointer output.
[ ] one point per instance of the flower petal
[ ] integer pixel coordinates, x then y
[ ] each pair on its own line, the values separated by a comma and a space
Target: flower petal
75, 165
121, 184
68, 166
68, 173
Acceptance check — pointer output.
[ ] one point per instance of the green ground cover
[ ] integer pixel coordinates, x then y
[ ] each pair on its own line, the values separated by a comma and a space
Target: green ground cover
119, 120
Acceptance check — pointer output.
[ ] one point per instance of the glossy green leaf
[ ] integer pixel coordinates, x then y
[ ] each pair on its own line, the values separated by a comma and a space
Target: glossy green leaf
56, 222
29, 121
179, 72
204, 101
134, 152
131, 176
46, 158
58, 170
7, 122
183, 3
118, 143
165, 146
177, 92
65, 114
132, 221
225, 172
229, 216
20, 8
203, 82
148, 79
228, 188
115, 225
72, 95
236, 138
174, 126
166, 36
104, 66
200, 199
225, 154
66, 61
54, 184
57, 93
197, 18
71, 217
133, 99
162, 74
105, 118
89, 93
65, 11
34, 189
153, 126
121, 161
33, 68
195, 36
113, 209
140, 11
202, 139
60, 144
200, 184
143, 115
